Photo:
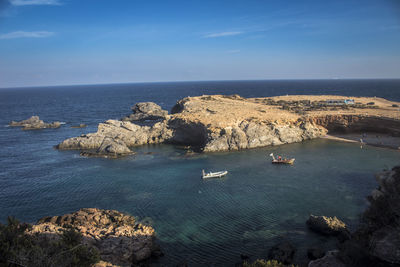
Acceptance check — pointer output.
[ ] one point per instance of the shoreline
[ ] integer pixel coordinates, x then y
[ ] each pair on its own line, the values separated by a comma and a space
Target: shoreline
369, 139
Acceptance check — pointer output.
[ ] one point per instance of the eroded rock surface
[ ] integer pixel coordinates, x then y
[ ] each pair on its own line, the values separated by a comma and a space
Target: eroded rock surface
124, 134
109, 148
146, 111
34, 123
119, 239
221, 123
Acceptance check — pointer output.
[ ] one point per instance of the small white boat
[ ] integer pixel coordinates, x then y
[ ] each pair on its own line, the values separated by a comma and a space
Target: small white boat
213, 174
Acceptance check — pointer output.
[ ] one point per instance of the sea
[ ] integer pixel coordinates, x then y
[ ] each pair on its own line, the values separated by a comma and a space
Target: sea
198, 222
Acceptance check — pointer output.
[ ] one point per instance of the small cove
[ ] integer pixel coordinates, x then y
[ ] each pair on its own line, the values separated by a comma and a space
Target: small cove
201, 222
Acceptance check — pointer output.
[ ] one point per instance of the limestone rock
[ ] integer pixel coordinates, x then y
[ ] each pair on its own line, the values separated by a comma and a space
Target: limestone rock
326, 225
222, 123
35, 123
110, 147
125, 131
146, 111
119, 239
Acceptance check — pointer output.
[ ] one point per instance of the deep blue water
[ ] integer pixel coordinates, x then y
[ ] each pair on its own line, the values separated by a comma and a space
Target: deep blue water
201, 222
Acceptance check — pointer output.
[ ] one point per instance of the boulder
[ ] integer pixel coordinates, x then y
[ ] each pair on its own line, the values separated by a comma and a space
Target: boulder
283, 252
327, 225
34, 123
146, 111
110, 148
119, 239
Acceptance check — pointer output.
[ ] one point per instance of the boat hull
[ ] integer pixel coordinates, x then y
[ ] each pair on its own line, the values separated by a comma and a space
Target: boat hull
214, 175
287, 161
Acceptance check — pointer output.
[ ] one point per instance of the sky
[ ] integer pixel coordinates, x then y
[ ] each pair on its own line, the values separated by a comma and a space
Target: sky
66, 42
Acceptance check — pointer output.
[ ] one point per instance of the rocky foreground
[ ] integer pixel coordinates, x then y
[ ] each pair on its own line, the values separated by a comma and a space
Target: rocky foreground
221, 123
377, 241
103, 237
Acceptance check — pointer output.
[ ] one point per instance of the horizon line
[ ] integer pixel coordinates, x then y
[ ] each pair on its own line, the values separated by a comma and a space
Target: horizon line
189, 81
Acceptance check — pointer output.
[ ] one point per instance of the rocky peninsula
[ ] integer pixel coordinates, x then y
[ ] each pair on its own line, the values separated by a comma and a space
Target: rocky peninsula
221, 123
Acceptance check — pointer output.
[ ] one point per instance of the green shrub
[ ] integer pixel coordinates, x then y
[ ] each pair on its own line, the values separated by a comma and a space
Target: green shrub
17, 248
264, 263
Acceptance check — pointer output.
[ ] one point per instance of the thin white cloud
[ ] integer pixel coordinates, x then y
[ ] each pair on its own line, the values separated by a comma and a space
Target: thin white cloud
23, 34
221, 34
35, 2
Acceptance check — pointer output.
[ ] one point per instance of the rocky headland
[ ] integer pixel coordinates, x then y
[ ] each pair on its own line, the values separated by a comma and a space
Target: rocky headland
104, 237
221, 123
35, 123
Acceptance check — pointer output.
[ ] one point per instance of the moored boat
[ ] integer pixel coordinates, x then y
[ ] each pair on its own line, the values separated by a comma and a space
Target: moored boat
213, 174
280, 160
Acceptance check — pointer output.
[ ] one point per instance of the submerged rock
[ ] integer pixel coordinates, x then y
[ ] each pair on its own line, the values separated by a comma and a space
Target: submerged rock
119, 239
35, 123
82, 125
146, 111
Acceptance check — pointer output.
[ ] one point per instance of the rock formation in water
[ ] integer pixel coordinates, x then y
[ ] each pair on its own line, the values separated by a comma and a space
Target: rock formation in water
34, 123
220, 123
109, 148
327, 225
114, 137
146, 111
118, 238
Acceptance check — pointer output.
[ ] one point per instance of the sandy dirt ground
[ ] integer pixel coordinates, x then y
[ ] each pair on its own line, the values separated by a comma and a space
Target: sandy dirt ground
222, 111
372, 139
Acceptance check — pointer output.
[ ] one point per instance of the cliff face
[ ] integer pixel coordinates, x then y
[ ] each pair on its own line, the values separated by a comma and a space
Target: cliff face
358, 124
249, 134
220, 123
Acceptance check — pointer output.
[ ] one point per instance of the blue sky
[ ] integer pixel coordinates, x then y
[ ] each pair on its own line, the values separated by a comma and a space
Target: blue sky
61, 42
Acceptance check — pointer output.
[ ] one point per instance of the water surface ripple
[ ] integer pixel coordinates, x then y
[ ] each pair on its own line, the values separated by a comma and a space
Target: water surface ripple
204, 223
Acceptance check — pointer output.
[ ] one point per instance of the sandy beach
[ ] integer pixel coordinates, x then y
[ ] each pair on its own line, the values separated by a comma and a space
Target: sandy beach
372, 139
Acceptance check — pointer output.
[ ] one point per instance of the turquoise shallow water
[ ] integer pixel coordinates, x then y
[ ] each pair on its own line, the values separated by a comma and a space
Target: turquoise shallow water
207, 222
